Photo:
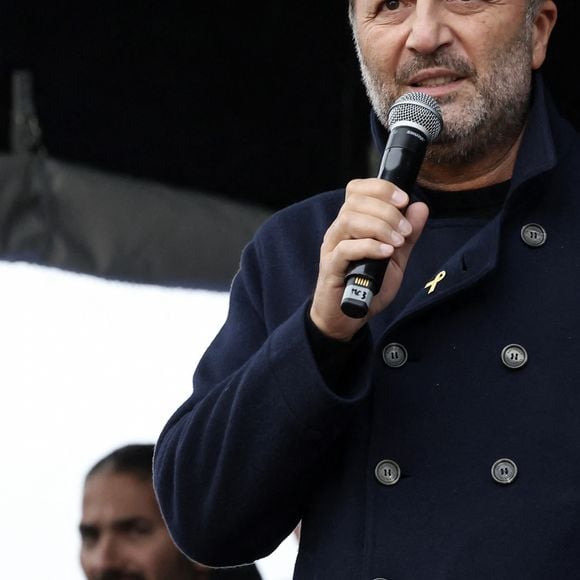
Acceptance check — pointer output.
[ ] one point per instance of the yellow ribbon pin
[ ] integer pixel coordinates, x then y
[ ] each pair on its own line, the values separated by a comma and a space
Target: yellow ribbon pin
433, 283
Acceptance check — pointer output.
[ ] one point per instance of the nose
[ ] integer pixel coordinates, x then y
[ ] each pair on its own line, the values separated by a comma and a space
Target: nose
428, 29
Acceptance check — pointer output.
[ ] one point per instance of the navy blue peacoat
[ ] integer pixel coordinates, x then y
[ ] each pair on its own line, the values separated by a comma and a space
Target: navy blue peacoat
450, 450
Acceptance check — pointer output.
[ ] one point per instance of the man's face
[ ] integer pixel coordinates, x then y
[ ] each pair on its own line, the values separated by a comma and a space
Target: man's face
474, 56
123, 536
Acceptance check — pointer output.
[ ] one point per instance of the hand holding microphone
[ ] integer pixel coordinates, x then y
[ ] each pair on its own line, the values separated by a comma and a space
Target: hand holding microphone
414, 121
372, 224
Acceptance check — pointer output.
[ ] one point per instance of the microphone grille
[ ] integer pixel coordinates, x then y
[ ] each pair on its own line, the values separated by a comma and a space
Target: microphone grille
420, 109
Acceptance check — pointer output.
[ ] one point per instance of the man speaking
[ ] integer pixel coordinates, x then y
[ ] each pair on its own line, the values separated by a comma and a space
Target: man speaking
436, 436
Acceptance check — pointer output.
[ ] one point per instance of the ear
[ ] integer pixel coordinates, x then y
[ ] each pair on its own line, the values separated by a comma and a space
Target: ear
543, 26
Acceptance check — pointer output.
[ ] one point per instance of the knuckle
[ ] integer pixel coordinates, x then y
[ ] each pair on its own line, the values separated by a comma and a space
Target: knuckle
344, 221
354, 184
342, 251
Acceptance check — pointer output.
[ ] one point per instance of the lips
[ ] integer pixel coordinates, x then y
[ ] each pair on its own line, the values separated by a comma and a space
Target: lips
435, 82
433, 78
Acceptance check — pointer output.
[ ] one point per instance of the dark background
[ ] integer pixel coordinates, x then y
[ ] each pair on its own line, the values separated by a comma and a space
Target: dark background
259, 102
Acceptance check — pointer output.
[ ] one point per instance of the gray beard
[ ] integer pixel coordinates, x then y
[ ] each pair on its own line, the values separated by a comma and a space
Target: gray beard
496, 115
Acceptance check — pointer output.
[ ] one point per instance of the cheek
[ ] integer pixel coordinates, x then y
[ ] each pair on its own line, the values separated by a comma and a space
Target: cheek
89, 561
84, 561
161, 560
378, 50
383, 57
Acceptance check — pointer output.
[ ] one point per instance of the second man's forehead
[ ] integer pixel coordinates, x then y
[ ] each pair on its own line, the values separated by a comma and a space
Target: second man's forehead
121, 523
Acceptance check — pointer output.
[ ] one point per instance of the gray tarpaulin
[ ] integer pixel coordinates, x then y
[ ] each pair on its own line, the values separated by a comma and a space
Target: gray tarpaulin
79, 219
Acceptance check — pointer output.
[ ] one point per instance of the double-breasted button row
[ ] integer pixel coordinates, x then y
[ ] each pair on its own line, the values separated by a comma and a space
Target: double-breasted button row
504, 471
513, 356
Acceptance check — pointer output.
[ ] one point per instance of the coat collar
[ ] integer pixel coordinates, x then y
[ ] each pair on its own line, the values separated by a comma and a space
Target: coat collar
546, 137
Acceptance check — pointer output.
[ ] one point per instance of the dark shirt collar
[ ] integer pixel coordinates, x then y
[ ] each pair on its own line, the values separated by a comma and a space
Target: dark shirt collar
483, 203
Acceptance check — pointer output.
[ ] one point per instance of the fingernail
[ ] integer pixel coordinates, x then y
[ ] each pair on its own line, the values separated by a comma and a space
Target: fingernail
386, 250
397, 238
399, 196
405, 227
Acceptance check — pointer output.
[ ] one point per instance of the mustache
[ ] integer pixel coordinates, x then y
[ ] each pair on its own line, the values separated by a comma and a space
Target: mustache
458, 65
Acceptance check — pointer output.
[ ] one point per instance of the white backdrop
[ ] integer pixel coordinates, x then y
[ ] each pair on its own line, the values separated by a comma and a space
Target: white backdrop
86, 365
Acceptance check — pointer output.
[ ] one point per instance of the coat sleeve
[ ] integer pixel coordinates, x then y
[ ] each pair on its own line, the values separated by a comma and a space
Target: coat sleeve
235, 463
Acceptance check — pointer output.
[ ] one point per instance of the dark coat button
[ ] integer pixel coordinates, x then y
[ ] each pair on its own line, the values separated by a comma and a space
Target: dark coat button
387, 472
395, 355
534, 235
504, 471
514, 356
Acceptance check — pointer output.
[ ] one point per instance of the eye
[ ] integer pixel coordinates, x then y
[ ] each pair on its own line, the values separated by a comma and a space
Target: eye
392, 4
137, 529
89, 536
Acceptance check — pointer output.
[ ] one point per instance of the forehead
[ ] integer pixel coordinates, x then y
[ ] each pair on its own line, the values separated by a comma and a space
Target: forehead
369, 3
112, 496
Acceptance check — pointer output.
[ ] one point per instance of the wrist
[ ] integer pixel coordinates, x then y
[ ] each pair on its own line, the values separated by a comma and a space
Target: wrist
336, 332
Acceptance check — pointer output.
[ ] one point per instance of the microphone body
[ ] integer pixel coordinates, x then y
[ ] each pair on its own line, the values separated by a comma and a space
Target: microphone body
414, 121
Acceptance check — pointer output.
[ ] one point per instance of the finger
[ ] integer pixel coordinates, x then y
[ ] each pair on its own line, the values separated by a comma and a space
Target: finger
367, 205
353, 225
366, 217
348, 251
377, 188
416, 215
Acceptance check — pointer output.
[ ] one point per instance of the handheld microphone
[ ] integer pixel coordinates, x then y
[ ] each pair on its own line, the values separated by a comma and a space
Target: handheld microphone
414, 121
